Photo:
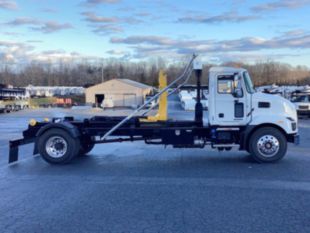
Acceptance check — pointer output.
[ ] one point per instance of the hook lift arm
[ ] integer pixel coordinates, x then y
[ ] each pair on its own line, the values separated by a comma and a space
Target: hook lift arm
186, 71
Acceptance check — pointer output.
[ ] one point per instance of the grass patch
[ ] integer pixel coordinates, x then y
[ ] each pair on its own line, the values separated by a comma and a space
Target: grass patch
36, 102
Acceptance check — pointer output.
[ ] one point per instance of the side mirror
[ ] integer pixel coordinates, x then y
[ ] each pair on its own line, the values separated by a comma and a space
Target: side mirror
237, 91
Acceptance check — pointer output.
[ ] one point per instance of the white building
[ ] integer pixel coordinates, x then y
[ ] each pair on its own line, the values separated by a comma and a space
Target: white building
48, 91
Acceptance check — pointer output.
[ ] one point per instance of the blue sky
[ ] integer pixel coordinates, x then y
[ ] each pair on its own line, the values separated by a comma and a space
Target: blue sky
220, 31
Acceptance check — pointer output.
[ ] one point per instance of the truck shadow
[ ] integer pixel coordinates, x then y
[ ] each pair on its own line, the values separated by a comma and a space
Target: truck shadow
227, 162
236, 165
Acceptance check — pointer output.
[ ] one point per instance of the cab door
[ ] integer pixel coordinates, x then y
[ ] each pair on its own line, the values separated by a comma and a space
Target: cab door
230, 100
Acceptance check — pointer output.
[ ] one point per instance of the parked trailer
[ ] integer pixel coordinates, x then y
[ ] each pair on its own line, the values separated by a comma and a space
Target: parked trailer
13, 106
259, 123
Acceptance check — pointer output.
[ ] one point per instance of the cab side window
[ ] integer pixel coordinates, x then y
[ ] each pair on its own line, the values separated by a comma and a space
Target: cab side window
225, 84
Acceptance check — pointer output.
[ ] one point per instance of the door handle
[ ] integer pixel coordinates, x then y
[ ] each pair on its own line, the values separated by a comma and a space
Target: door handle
221, 115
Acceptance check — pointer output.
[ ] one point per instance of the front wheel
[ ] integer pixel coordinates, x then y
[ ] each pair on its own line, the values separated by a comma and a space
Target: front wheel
267, 145
56, 146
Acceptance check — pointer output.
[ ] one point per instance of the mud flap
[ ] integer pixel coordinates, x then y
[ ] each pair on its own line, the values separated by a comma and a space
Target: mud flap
14, 148
13, 155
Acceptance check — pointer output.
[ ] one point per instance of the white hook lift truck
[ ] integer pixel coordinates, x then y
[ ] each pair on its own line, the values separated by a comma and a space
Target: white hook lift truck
258, 123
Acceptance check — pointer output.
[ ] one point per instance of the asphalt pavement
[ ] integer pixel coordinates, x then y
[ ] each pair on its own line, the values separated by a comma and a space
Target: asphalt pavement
133, 187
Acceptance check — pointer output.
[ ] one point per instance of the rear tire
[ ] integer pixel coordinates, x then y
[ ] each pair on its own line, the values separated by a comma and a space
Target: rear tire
57, 146
267, 145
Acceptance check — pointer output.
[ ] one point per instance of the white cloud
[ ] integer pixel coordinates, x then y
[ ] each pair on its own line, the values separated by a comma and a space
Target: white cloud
281, 4
52, 26
148, 45
14, 51
97, 2
24, 21
103, 25
40, 25
93, 18
231, 17
9, 5
23, 53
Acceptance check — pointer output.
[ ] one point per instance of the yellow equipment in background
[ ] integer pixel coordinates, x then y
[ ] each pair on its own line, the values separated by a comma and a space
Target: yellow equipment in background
163, 101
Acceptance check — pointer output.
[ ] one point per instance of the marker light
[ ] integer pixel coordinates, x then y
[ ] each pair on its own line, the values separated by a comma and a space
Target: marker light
32, 122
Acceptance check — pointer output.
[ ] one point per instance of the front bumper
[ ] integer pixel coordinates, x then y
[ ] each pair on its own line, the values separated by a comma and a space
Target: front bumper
294, 138
303, 112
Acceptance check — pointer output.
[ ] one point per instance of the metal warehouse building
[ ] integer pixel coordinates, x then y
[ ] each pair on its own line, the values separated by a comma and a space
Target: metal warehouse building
118, 93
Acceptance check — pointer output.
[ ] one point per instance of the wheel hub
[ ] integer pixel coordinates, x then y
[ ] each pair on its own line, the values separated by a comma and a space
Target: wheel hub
59, 146
268, 145
56, 147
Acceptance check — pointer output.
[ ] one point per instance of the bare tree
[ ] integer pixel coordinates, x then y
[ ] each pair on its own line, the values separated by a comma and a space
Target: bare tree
88, 73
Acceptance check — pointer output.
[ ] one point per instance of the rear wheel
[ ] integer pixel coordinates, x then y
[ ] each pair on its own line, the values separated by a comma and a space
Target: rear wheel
56, 146
267, 145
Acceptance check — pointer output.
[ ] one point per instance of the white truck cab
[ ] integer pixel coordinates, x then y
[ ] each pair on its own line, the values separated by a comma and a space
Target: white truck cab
234, 104
302, 103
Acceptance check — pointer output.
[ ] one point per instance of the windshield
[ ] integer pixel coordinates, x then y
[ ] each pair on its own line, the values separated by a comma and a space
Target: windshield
300, 99
248, 83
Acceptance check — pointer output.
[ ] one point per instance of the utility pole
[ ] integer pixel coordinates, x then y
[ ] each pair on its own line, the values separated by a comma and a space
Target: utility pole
102, 78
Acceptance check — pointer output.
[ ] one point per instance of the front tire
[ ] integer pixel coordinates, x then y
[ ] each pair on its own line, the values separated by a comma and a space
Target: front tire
267, 145
57, 146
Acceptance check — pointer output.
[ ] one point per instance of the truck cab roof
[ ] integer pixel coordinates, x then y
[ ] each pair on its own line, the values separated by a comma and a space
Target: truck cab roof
225, 69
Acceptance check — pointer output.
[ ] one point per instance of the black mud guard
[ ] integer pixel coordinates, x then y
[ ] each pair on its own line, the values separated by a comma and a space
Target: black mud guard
67, 126
244, 137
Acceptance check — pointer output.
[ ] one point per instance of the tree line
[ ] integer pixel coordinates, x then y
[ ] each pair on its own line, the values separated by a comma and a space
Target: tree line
87, 74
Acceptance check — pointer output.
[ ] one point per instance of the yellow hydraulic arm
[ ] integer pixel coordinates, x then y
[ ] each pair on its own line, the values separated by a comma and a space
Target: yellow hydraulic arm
163, 102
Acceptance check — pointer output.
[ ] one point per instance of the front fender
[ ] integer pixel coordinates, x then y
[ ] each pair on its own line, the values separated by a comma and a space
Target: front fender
278, 120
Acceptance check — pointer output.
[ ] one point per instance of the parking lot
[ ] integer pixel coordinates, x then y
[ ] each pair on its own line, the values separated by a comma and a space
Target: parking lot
133, 187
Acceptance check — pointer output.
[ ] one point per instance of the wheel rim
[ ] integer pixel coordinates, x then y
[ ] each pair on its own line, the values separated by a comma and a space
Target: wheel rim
56, 147
268, 146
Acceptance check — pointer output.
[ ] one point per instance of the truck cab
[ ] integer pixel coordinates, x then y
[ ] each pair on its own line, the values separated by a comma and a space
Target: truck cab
234, 104
301, 101
233, 101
